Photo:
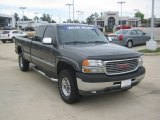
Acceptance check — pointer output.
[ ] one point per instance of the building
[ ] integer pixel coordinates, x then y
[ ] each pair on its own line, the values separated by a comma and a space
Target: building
30, 23
110, 19
7, 21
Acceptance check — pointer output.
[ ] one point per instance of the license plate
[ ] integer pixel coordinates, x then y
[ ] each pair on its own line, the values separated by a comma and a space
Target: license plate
125, 83
110, 38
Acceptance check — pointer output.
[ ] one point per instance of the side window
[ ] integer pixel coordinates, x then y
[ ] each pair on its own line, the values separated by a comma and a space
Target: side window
140, 32
133, 32
50, 32
15, 32
5, 32
39, 33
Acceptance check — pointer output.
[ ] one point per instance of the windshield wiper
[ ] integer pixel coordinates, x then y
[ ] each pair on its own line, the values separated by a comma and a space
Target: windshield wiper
76, 42
97, 42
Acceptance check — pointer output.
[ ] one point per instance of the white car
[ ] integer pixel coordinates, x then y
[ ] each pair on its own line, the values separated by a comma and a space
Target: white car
9, 35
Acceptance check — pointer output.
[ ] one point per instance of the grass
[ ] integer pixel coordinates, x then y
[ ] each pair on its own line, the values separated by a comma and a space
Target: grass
150, 51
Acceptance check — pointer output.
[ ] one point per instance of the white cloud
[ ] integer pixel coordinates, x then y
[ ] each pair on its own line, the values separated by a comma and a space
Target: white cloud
35, 3
58, 8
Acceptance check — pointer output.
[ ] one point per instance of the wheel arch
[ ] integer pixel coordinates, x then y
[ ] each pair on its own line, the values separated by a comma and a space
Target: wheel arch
129, 39
19, 50
67, 64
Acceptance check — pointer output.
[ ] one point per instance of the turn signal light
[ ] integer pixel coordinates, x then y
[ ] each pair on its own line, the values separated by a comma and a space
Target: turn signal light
85, 63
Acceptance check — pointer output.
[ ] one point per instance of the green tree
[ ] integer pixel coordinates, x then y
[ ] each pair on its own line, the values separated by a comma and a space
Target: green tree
36, 18
44, 17
53, 21
25, 18
16, 16
139, 15
91, 18
47, 17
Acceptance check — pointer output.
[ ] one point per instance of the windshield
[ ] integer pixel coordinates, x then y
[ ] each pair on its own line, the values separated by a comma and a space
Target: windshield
122, 31
69, 34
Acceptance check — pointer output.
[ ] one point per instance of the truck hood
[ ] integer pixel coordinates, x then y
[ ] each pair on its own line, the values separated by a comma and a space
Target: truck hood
107, 51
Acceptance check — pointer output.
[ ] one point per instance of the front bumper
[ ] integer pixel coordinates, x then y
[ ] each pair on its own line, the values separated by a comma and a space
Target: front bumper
101, 83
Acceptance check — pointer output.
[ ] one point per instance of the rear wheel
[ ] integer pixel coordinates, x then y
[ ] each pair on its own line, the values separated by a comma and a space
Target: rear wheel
129, 44
4, 41
68, 86
23, 64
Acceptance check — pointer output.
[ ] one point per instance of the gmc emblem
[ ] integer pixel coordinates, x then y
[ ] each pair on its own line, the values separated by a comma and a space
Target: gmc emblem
123, 66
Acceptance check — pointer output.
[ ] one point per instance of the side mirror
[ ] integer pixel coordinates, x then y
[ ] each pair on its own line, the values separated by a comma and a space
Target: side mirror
47, 41
144, 33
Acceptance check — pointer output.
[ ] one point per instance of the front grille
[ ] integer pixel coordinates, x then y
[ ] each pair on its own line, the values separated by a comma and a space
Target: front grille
121, 66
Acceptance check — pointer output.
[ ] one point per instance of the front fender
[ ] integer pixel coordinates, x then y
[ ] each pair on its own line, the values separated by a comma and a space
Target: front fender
69, 61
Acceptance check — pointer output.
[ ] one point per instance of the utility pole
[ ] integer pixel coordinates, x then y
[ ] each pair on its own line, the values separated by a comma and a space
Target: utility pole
138, 15
121, 2
152, 44
36, 20
69, 5
73, 11
82, 16
22, 8
78, 14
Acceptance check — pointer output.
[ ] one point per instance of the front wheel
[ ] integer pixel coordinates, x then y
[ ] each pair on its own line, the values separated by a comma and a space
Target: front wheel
13, 40
67, 86
23, 64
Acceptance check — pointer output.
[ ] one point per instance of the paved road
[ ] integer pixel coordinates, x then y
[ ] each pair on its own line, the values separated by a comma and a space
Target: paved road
30, 96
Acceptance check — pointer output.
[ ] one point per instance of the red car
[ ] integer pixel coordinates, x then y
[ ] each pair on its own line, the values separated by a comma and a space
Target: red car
123, 27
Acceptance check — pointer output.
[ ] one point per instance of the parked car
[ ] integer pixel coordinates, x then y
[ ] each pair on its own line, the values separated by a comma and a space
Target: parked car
123, 27
8, 28
157, 25
9, 35
28, 29
80, 59
129, 37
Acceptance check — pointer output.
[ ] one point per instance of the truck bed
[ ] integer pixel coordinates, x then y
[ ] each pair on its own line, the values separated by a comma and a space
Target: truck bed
26, 43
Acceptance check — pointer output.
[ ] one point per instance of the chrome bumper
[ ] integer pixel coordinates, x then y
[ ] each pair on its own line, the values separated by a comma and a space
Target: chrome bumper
93, 87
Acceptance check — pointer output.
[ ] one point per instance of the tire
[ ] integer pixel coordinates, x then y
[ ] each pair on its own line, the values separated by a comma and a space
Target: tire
129, 44
67, 86
13, 40
23, 64
4, 41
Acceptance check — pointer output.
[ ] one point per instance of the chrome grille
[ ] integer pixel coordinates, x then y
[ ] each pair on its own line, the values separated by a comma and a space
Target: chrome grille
121, 66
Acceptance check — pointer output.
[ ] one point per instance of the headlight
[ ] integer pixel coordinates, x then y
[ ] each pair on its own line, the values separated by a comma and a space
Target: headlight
92, 66
140, 61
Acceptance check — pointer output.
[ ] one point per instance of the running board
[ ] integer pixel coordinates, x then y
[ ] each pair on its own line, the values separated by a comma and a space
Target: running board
42, 73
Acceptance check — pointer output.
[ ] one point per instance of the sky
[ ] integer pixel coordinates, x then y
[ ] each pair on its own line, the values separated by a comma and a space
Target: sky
60, 12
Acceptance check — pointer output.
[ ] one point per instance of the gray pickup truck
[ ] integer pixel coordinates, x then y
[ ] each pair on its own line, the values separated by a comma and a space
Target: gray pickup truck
81, 59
